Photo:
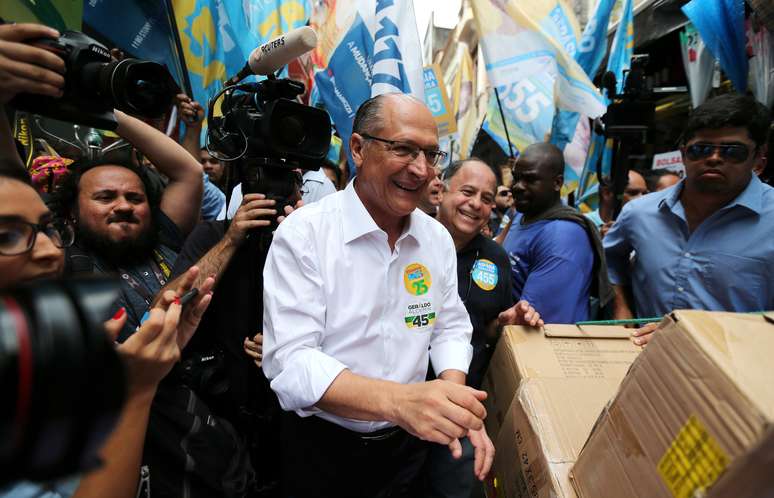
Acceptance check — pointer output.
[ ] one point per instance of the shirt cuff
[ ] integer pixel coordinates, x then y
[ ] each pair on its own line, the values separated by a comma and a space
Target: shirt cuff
305, 379
451, 355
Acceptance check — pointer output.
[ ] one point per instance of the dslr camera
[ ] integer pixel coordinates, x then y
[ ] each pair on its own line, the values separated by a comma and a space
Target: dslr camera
95, 84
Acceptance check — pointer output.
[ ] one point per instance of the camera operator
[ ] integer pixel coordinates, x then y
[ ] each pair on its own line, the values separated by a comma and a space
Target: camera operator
32, 246
235, 454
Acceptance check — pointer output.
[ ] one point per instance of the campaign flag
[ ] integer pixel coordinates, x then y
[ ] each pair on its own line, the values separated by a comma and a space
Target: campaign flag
366, 48
529, 48
698, 63
721, 25
218, 36
589, 55
146, 31
618, 63
58, 14
467, 112
437, 100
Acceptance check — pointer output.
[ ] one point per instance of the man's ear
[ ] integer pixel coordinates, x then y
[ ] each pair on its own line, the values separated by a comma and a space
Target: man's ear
357, 147
558, 182
760, 160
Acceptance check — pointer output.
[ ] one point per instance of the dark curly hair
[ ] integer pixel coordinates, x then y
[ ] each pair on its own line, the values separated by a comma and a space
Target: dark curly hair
731, 110
64, 200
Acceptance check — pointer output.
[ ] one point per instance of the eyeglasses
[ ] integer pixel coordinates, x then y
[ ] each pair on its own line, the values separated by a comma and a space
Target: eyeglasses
409, 151
734, 153
18, 237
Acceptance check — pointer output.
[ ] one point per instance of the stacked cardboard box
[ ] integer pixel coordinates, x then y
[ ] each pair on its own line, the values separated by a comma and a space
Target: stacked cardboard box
546, 388
692, 418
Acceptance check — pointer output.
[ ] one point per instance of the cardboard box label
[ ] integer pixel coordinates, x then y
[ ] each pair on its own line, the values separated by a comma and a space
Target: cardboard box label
693, 462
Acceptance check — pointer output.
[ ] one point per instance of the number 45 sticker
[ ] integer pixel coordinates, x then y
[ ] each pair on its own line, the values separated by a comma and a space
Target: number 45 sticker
422, 320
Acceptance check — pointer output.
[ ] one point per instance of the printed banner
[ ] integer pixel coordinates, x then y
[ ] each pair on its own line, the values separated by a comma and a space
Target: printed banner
366, 48
146, 31
529, 49
217, 36
437, 101
698, 63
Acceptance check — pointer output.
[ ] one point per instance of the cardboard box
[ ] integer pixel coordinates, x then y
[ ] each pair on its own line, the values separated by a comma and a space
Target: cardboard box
543, 433
555, 383
557, 351
694, 414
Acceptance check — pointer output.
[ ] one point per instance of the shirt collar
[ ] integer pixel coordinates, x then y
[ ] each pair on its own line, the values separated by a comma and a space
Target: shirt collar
357, 221
750, 198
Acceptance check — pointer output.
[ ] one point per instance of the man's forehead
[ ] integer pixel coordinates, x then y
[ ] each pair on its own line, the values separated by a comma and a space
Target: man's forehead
720, 135
110, 177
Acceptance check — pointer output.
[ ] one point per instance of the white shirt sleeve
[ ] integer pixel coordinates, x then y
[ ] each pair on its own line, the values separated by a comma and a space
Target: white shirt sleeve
450, 346
235, 202
294, 312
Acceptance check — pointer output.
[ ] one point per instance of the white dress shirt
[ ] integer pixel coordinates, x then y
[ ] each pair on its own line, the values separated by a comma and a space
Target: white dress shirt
315, 185
335, 297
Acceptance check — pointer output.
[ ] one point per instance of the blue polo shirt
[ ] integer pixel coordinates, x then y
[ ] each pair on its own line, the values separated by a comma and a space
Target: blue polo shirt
724, 265
551, 267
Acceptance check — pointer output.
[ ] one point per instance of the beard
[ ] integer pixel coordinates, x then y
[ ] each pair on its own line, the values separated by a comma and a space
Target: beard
119, 253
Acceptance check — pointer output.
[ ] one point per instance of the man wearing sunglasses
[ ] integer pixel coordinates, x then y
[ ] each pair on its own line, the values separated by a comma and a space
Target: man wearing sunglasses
360, 293
706, 242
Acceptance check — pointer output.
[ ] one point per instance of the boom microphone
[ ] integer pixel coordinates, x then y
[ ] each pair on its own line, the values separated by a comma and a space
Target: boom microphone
271, 56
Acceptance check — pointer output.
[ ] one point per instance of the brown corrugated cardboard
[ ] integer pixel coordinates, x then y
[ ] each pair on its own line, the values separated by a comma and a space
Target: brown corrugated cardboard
695, 407
544, 431
546, 389
557, 351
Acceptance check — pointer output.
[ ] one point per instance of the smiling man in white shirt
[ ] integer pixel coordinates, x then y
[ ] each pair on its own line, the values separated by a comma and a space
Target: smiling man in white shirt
360, 288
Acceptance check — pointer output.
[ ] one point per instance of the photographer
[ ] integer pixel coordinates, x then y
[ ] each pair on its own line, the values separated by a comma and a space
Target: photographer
32, 247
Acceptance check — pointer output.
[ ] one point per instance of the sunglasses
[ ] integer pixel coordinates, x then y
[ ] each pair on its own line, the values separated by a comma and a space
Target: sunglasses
733, 153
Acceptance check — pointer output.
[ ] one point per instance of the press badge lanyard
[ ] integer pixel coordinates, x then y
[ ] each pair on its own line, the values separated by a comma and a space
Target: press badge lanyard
161, 271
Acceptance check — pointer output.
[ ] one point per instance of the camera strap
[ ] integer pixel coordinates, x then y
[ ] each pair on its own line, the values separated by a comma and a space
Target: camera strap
161, 270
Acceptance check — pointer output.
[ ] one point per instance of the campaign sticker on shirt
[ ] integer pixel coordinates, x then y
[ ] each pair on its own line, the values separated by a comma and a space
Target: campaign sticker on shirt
419, 314
484, 274
416, 278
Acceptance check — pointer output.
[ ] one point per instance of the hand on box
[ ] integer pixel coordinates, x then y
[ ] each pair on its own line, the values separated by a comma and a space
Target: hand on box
521, 313
439, 411
26, 68
643, 335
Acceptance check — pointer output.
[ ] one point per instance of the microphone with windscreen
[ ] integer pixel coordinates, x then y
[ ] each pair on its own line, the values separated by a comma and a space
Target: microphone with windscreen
269, 57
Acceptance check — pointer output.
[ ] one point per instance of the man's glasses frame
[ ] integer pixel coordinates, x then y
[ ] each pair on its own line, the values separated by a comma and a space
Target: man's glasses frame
60, 233
406, 150
734, 153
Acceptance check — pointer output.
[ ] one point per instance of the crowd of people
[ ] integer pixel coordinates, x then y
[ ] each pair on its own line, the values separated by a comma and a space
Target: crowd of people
338, 341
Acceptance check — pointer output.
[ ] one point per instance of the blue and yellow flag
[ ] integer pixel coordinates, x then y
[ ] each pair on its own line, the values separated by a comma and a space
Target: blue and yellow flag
365, 48
218, 36
619, 61
529, 49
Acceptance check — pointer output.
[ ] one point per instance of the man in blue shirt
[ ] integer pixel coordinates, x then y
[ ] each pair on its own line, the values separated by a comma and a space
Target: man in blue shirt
555, 254
706, 242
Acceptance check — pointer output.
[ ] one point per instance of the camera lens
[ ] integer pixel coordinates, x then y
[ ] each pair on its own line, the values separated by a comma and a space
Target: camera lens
138, 87
61, 380
291, 131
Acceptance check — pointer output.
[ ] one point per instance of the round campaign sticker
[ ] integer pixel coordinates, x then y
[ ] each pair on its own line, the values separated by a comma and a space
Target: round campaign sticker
416, 278
484, 274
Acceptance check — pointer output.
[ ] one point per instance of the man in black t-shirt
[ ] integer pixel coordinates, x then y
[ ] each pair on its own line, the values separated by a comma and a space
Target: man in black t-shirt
484, 284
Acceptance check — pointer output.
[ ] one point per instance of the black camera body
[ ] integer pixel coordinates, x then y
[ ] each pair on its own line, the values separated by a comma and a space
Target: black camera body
266, 135
95, 85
